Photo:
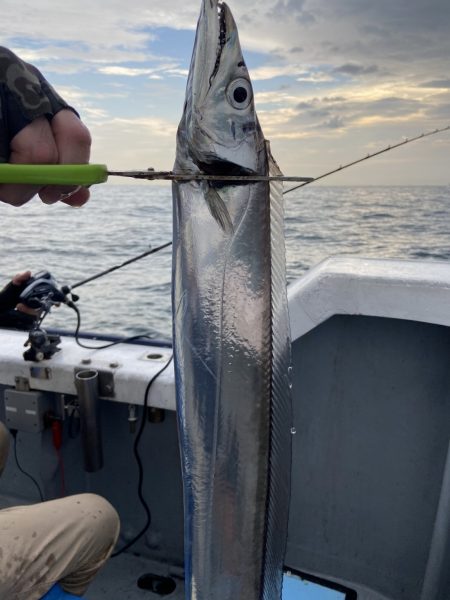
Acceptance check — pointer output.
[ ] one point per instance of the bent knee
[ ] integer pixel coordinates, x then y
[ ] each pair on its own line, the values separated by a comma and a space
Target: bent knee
98, 513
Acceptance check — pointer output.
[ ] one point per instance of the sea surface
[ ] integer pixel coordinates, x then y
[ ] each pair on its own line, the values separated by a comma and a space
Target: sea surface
120, 222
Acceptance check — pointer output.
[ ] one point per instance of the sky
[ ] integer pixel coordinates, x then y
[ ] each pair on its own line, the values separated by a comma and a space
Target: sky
334, 80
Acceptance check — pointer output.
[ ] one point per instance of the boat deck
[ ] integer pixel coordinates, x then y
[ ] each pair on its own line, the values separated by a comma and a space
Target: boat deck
119, 580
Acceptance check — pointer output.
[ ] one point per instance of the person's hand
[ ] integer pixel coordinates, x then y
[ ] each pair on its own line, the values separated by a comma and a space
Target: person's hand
64, 140
19, 280
10, 294
37, 127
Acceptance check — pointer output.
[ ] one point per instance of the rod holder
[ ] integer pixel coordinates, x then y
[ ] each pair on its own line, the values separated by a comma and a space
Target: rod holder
86, 383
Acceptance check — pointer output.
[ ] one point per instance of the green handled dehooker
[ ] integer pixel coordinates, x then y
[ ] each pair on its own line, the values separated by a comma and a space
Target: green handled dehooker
86, 175
53, 174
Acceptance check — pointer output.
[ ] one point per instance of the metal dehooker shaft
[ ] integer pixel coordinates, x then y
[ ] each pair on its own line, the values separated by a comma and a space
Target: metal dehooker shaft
86, 383
86, 175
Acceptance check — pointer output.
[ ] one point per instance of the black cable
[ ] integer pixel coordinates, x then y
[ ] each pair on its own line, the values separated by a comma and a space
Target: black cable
14, 434
74, 431
109, 344
139, 463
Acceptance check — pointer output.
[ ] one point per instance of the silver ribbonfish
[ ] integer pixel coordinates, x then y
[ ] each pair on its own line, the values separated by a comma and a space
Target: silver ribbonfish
231, 332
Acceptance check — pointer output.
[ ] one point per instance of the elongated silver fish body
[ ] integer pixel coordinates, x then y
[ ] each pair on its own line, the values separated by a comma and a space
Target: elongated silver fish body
231, 332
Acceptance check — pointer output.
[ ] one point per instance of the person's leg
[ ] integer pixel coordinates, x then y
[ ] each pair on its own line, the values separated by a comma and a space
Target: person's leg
66, 540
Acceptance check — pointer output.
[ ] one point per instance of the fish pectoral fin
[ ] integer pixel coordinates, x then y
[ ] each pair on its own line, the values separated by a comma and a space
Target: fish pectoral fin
218, 209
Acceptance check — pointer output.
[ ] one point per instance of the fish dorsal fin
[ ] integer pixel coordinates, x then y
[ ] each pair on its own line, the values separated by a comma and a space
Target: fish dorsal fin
274, 169
218, 209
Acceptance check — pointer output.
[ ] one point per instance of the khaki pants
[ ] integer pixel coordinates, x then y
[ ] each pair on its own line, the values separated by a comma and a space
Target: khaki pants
65, 541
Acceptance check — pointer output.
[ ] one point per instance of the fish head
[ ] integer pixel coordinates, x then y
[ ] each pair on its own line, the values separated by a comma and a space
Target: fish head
220, 125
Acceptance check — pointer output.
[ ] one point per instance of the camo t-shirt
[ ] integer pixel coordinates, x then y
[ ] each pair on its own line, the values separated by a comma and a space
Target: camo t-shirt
24, 95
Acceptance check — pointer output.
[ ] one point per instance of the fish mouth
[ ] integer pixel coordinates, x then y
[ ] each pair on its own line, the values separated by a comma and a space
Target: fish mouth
219, 136
222, 36
210, 42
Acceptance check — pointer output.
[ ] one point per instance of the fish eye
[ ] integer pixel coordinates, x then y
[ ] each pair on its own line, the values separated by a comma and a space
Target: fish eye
240, 93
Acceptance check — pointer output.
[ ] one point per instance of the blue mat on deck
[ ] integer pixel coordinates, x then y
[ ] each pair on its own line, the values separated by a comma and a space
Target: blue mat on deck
57, 593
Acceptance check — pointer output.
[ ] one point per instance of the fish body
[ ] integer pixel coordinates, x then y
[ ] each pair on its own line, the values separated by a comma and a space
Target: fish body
231, 332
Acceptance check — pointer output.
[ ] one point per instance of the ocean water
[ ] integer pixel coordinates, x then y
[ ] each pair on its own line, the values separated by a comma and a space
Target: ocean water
120, 222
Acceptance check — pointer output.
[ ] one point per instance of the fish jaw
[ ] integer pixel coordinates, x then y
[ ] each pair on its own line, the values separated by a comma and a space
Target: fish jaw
220, 126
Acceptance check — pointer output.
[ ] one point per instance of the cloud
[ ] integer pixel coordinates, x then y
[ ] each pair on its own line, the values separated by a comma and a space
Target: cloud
441, 110
288, 9
292, 117
125, 71
144, 142
171, 69
354, 69
315, 77
335, 122
276, 70
437, 83
394, 106
351, 32
277, 97
183, 73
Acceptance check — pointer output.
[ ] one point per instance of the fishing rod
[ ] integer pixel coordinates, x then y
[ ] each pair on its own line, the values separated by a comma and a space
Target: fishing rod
355, 162
42, 291
116, 267
305, 181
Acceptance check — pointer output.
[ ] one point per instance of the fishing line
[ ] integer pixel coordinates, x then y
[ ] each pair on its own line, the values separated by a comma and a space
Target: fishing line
97, 276
109, 344
355, 162
66, 290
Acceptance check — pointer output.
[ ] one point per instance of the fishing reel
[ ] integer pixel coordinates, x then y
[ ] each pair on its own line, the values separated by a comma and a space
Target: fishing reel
40, 294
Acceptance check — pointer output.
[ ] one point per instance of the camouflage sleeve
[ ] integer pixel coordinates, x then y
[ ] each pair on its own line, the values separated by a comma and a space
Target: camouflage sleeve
24, 95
